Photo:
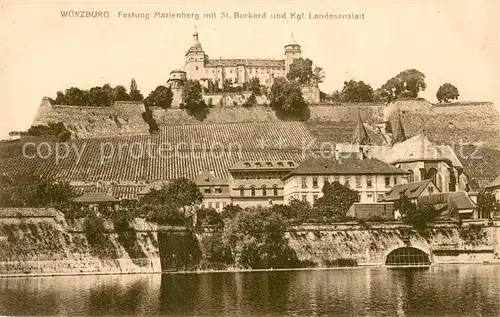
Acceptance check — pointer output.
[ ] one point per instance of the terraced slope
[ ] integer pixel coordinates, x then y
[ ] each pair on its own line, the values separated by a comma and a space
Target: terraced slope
122, 118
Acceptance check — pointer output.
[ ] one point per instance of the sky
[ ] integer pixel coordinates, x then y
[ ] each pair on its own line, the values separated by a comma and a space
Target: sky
42, 52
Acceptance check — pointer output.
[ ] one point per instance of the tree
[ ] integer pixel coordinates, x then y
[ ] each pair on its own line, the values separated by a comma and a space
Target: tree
250, 102
57, 130
447, 92
193, 99
120, 94
181, 195
407, 84
254, 86
135, 93
356, 91
255, 238
318, 74
160, 97
296, 210
416, 215
336, 96
31, 190
76, 97
487, 205
60, 99
287, 99
301, 71
98, 97
336, 200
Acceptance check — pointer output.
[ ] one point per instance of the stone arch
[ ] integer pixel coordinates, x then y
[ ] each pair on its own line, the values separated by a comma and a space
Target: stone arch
408, 255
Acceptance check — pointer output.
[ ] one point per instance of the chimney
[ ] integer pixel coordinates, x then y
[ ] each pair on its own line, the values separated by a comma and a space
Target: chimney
360, 153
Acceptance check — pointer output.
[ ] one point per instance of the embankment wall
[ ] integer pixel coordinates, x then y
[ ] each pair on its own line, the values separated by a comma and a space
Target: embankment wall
53, 246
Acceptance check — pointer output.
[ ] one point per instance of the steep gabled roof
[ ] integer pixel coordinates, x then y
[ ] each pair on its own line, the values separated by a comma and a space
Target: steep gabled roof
398, 132
410, 190
494, 183
360, 136
207, 178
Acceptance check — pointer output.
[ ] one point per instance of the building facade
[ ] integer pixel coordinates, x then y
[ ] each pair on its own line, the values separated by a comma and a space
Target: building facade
198, 66
371, 177
215, 191
254, 183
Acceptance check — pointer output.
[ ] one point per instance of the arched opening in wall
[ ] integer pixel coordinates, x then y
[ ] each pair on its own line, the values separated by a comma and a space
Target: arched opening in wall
407, 256
410, 176
432, 175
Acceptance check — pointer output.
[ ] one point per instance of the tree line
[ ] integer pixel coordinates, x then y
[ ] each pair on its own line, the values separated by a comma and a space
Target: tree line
105, 96
405, 85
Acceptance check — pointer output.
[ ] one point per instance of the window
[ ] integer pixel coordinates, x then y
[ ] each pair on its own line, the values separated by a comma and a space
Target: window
218, 190
387, 181
304, 182
358, 181
242, 191
346, 182
325, 181
430, 189
432, 174
196, 67
223, 204
395, 180
207, 190
264, 191
315, 198
217, 205
369, 196
210, 205
359, 198
410, 176
380, 197
369, 181
252, 191
315, 182
337, 179
304, 198
275, 190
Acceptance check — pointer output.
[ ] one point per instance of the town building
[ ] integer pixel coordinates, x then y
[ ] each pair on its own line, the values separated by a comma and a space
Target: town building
371, 177
494, 188
453, 205
412, 191
215, 190
198, 66
253, 183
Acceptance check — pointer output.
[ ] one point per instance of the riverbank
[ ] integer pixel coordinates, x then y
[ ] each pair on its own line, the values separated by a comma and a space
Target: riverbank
250, 270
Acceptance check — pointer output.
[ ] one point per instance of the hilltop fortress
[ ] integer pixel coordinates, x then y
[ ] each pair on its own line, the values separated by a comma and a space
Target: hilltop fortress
198, 66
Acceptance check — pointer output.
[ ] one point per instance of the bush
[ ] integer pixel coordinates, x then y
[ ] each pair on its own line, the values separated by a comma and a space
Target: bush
250, 102
209, 217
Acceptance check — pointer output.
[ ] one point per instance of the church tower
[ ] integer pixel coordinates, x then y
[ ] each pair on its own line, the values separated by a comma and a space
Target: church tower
195, 59
360, 136
292, 52
398, 133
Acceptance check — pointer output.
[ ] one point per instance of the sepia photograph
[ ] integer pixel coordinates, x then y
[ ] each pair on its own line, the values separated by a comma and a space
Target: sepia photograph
249, 158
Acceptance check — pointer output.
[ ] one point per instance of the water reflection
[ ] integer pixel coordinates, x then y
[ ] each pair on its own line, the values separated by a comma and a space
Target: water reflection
432, 291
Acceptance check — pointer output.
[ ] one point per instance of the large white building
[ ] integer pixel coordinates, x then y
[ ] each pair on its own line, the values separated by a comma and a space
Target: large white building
198, 66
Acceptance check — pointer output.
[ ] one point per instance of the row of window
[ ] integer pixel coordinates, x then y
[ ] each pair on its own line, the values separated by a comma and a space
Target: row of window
216, 190
369, 182
215, 205
264, 190
369, 197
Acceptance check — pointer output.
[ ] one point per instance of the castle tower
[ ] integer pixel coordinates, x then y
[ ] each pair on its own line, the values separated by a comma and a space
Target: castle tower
195, 59
292, 52
360, 136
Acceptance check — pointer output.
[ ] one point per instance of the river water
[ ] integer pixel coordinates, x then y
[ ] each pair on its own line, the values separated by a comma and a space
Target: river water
460, 290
